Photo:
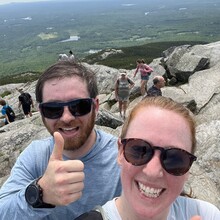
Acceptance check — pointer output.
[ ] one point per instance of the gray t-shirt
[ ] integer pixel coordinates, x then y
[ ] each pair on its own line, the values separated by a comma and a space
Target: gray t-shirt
183, 208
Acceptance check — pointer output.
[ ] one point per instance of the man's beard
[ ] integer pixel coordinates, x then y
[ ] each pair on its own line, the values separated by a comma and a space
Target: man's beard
76, 142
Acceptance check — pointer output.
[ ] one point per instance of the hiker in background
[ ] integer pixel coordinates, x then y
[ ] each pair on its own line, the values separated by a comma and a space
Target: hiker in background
25, 100
63, 57
155, 89
145, 71
123, 86
7, 112
71, 56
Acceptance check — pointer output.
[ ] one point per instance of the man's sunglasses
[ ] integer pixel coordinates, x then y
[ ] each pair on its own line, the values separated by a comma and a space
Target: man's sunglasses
77, 107
175, 161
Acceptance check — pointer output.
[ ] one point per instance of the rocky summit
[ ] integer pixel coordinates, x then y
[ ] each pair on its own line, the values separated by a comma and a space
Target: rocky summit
193, 79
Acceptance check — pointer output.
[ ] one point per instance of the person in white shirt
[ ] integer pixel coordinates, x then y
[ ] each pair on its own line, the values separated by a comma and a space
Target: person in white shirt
155, 156
71, 56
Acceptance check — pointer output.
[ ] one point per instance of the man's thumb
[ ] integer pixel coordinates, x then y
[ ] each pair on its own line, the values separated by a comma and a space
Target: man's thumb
57, 153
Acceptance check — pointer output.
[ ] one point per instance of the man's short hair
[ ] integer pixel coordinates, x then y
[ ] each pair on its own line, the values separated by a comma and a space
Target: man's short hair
64, 69
156, 80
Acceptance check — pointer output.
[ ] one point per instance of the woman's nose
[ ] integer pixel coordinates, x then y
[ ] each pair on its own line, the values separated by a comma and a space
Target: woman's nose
154, 168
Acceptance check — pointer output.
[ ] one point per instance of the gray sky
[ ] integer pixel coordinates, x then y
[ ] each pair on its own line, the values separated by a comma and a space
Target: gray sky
10, 1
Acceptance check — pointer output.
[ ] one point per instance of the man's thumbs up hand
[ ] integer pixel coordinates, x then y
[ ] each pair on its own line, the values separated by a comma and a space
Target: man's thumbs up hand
57, 153
62, 182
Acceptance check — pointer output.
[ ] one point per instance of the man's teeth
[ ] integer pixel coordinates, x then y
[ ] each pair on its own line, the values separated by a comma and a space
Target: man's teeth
68, 129
149, 192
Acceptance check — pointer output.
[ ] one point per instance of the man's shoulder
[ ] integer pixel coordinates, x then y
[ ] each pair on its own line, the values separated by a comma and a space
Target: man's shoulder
46, 140
42, 144
153, 91
106, 141
105, 134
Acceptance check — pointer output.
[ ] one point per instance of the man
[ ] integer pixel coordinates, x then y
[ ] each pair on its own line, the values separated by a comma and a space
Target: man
25, 100
63, 57
71, 56
155, 90
75, 169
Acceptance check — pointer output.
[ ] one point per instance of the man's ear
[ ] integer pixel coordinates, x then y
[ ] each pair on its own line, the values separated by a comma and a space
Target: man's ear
120, 152
96, 103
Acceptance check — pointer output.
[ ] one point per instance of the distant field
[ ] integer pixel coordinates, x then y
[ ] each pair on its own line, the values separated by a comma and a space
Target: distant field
31, 34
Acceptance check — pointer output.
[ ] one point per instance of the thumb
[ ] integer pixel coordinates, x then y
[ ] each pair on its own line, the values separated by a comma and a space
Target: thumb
57, 153
196, 218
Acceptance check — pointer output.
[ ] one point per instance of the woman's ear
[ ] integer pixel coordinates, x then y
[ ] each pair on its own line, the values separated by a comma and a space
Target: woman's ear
120, 152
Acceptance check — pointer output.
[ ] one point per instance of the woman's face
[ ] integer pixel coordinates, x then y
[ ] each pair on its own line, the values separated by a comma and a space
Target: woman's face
148, 190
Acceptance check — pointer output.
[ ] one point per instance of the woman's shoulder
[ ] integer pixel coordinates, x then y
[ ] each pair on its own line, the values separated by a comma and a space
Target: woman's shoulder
190, 207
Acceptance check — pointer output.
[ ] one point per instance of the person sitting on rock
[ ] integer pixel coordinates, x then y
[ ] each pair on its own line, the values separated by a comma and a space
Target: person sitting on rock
155, 89
7, 112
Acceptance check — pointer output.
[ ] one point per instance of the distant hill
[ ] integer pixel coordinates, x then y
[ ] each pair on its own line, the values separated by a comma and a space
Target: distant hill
125, 60
33, 34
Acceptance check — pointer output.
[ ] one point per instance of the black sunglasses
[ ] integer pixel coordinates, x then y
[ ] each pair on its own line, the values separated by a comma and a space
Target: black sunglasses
77, 107
175, 161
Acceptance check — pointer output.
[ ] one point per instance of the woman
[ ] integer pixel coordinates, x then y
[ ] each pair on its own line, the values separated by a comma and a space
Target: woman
155, 156
145, 71
123, 86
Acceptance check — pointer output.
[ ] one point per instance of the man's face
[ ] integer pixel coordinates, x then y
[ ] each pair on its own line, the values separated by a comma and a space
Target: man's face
76, 131
162, 82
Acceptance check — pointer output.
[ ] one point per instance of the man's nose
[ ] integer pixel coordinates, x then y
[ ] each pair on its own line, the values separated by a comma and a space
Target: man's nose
67, 115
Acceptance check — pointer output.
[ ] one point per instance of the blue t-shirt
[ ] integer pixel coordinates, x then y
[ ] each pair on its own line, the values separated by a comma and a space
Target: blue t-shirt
102, 180
3, 111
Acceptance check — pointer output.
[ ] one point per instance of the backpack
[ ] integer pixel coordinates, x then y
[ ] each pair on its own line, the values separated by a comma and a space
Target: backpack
26, 100
95, 214
10, 113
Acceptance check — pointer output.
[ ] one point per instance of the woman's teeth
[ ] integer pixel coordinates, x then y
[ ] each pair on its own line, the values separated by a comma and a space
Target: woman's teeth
149, 192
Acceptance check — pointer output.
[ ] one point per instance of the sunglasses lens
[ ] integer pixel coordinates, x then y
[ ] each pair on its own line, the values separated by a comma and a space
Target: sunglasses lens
176, 161
137, 152
51, 112
80, 107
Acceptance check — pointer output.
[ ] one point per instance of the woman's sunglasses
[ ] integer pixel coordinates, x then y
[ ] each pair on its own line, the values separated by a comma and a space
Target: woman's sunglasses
77, 107
175, 161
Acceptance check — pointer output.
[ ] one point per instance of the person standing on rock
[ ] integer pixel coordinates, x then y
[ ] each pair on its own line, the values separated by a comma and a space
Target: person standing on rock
145, 71
71, 56
26, 101
74, 169
123, 86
